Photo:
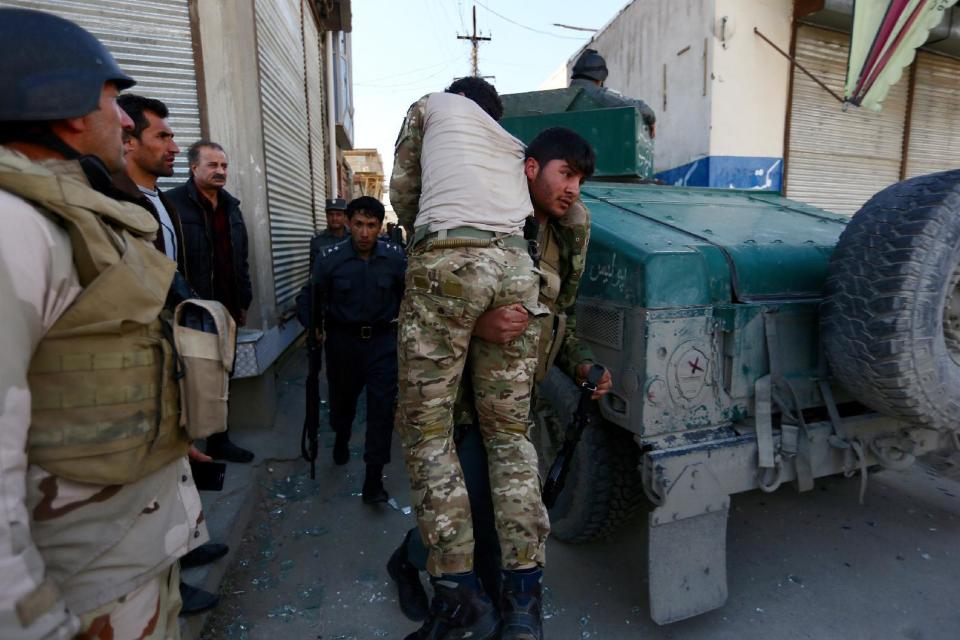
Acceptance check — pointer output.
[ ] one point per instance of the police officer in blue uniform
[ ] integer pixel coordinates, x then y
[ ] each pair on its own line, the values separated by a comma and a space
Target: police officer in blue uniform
336, 230
356, 288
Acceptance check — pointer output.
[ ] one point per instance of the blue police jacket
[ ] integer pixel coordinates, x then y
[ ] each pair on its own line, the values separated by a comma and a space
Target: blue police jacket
357, 292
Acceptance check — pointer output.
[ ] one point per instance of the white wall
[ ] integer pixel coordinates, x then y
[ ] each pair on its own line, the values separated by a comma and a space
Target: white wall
648, 36
750, 79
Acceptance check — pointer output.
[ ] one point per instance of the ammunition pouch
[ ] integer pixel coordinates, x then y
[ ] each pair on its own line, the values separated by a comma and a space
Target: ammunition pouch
206, 360
104, 408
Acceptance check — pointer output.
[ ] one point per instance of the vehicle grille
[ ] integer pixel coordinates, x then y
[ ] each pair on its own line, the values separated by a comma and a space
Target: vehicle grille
601, 325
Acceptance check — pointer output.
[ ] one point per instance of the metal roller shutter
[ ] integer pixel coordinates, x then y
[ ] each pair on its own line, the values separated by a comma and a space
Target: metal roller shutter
286, 146
838, 160
318, 155
934, 127
152, 42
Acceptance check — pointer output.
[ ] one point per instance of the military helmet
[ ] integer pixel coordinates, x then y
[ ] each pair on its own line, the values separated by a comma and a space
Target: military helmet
590, 65
51, 68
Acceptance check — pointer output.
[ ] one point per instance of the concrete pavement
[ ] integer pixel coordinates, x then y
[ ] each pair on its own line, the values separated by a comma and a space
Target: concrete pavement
311, 562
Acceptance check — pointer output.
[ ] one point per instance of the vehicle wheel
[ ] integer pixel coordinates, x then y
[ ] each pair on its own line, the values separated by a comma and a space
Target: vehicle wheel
891, 319
603, 489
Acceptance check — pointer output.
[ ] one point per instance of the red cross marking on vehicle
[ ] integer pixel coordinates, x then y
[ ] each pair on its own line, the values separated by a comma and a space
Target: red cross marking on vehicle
695, 366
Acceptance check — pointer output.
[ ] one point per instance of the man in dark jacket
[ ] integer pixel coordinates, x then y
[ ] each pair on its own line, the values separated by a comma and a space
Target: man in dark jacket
215, 238
589, 74
215, 250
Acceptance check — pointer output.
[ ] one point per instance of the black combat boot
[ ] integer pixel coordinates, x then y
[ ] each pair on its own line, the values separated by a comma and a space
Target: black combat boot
410, 591
341, 448
520, 605
460, 610
373, 491
220, 447
194, 600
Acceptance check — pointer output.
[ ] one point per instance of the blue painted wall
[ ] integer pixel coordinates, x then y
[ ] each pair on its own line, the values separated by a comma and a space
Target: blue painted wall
728, 172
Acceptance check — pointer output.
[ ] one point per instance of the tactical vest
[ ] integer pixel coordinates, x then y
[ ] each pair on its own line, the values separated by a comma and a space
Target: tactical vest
105, 405
554, 324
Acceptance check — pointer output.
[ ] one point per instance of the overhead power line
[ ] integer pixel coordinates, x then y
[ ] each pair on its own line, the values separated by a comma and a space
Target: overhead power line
406, 83
523, 26
393, 76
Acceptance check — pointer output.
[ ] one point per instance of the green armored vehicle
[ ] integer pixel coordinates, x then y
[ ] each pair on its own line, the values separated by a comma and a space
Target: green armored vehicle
754, 341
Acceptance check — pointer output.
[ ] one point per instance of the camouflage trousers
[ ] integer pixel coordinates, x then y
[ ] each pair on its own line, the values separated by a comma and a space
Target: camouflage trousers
147, 613
446, 291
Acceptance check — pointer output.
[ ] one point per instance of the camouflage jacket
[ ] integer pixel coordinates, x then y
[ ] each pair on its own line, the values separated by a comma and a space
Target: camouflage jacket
405, 182
66, 547
572, 234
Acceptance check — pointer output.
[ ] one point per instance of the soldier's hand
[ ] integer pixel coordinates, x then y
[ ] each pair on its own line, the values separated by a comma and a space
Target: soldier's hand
503, 324
603, 387
199, 456
318, 335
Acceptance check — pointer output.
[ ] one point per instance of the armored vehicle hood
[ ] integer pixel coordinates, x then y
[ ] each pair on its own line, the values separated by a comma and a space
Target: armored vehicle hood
659, 247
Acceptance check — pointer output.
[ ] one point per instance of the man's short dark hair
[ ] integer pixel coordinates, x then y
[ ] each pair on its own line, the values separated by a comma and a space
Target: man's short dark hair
136, 106
560, 143
367, 205
193, 153
481, 92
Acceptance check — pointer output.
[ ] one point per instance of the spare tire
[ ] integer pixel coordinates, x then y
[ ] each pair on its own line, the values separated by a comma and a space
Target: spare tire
890, 322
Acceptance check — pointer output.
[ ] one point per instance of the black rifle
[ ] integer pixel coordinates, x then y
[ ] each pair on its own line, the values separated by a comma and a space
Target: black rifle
311, 420
583, 418
531, 232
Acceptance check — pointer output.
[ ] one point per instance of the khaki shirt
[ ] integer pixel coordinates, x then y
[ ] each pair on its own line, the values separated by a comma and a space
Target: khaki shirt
67, 547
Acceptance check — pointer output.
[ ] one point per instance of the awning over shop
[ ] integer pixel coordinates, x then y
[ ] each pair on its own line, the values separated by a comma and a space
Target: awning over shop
885, 36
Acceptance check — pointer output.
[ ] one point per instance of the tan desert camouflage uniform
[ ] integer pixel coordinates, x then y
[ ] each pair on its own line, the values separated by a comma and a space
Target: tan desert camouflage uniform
447, 289
71, 552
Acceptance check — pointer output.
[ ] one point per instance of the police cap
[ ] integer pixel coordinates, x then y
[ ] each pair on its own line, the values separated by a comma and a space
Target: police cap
51, 68
336, 204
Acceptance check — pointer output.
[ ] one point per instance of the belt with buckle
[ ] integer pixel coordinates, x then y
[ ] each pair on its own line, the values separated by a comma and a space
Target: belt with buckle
464, 237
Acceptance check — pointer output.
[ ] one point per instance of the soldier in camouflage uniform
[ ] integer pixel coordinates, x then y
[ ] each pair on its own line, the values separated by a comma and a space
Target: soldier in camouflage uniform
98, 500
458, 188
558, 160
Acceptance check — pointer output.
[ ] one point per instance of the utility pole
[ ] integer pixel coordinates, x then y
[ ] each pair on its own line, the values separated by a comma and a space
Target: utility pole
475, 44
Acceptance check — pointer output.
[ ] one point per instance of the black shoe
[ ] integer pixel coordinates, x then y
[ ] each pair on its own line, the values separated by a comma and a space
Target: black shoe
410, 591
220, 447
520, 606
341, 448
196, 600
458, 612
373, 491
204, 554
